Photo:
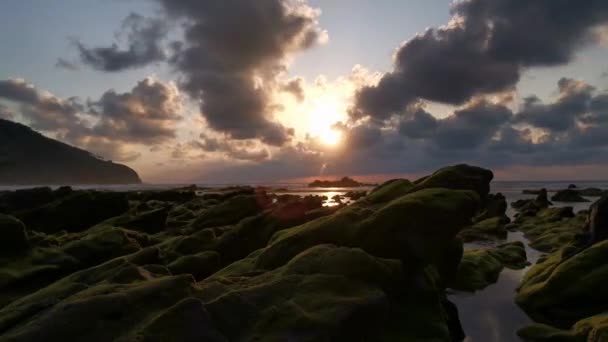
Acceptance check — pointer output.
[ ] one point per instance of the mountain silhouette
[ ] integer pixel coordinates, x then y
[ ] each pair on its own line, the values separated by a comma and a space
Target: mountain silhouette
28, 157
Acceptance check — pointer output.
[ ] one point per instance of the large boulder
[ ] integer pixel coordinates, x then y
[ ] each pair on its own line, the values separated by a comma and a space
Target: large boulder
75, 212
594, 328
566, 287
481, 267
418, 226
13, 237
597, 221
550, 229
462, 177
568, 195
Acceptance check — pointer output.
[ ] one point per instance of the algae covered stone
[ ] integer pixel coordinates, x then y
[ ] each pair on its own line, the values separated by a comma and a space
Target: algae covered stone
566, 287
481, 267
13, 236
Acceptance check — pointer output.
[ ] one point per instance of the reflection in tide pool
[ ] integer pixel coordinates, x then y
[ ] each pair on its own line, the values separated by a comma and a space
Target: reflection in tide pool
491, 315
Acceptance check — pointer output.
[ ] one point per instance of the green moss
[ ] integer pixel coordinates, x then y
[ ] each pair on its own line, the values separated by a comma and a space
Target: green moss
389, 191
594, 328
551, 229
230, 211
565, 288
489, 229
461, 177
200, 265
481, 267
418, 226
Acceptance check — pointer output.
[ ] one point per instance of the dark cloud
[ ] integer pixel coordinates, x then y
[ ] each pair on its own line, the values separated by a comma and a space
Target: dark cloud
147, 115
232, 54
481, 51
483, 132
296, 88
238, 150
573, 102
44, 111
144, 37
65, 64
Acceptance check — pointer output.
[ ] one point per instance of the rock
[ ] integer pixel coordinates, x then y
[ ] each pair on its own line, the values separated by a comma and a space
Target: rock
355, 195
330, 293
75, 212
150, 221
572, 186
200, 265
18, 200
444, 212
529, 207
389, 191
494, 206
13, 237
345, 182
481, 267
462, 177
489, 229
589, 329
231, 211
550, 229
568, 196
591, 192
597, 221
566, 287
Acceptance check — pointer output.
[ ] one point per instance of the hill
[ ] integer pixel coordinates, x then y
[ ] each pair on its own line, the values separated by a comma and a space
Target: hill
28, 157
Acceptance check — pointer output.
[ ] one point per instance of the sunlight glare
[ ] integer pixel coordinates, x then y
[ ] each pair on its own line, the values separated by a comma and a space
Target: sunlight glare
325, 114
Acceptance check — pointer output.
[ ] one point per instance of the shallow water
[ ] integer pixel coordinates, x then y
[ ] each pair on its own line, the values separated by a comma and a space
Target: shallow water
491, 315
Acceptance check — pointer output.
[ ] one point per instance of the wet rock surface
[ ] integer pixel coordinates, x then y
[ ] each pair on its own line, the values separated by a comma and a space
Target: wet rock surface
240, 264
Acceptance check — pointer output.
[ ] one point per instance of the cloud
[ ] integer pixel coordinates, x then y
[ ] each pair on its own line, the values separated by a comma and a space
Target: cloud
144, 37
232, 69
6, 113
43, 110
65, 64
296, 88
110, 126
573, 102
482, 51
147, 114
237, 150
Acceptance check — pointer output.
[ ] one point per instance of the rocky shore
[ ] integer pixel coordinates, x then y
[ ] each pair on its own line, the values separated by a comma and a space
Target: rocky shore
243, 264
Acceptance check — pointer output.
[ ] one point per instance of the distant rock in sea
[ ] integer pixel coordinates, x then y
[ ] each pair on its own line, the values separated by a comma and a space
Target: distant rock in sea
345, 182
28, 157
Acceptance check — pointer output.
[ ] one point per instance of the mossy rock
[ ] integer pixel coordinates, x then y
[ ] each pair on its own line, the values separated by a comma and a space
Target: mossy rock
552, 228
13, 236
150, 221
75, 212
481, 267
567, 286
461, 177
589, 329
389, 191
104, 244
231, 211
488, 229
568, 195
326, 293
494, 206
416, 227
199, 265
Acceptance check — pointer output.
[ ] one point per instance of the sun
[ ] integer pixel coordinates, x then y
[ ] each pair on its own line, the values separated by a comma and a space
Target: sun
325, 114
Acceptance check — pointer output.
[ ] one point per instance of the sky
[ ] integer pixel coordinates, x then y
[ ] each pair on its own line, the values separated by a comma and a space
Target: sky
274, 90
